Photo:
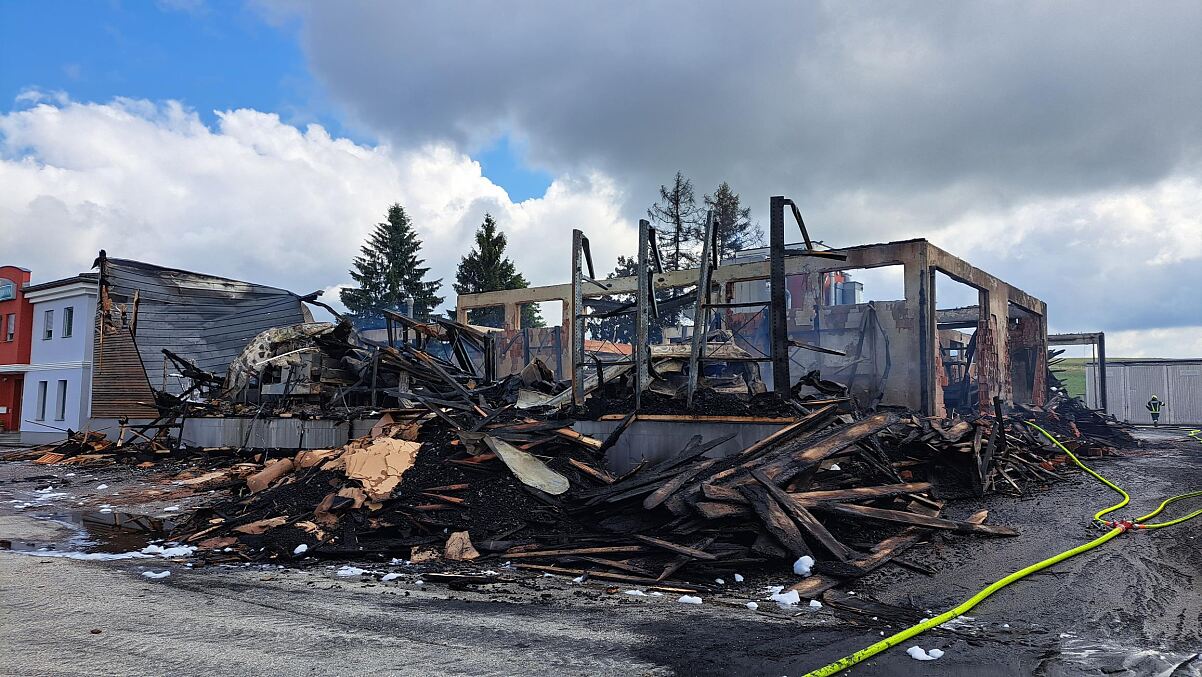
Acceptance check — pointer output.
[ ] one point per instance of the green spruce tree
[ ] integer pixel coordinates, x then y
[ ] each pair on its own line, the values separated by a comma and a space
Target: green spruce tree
486, 268
388, 272
677, 210
732, 221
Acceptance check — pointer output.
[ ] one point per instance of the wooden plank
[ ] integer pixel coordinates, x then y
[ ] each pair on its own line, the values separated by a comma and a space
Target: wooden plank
901, 517
805, 520
608, 576
810, 498
684, 559
775, 520
694, 449
620, 565
815, 453
673, 485
808, 422
450, 487
599, 550
697, 418
715, 492
717, 510
676, 548
883, 552
612, 438
595, 473
454, 500
583, 440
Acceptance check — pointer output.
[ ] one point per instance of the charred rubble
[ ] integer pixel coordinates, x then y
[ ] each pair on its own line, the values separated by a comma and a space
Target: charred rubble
464, 474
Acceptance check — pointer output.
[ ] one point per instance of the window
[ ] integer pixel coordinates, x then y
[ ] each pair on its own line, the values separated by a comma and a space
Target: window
68, 320
48, 325
41, 411
8, 289
10, 330
60, 402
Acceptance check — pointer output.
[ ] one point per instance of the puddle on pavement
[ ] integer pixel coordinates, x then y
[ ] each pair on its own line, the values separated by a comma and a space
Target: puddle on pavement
1079, 655
100, 532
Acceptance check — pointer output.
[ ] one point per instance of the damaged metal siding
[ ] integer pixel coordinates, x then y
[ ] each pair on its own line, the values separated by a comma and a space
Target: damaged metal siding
203, 318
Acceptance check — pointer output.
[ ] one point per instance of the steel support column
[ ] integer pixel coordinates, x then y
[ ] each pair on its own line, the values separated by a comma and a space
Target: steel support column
778, 312
701, 309
576, 355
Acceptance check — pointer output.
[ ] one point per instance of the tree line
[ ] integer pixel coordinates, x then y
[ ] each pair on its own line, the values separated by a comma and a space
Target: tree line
389, 272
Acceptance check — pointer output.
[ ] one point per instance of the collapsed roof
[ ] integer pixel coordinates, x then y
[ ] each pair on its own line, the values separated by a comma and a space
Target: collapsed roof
205, 319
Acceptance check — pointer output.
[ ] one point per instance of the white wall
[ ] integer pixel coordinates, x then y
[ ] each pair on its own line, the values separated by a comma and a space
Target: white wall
59, 358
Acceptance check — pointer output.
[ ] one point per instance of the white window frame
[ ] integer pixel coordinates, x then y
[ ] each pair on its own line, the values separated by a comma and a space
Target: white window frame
40, 412
68, 321
8, 289
48, 325
60, 401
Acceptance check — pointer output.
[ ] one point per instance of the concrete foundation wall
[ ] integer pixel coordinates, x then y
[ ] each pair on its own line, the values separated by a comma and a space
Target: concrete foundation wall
266, 433
657, 440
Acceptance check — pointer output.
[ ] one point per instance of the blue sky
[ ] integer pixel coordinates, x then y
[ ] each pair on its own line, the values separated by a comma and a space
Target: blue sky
210, 56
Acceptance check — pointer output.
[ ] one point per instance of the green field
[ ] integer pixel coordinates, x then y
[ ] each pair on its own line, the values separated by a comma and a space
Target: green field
1072, 371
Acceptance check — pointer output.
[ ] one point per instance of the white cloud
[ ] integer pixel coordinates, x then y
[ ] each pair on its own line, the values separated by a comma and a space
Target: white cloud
257, 199
1176, 342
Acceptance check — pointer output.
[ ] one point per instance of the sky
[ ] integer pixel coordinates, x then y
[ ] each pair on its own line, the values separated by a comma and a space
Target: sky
1056, 145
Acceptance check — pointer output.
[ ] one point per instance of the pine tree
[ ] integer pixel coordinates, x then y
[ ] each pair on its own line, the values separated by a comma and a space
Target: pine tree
389, 272
732, 221
486, 268
677, 209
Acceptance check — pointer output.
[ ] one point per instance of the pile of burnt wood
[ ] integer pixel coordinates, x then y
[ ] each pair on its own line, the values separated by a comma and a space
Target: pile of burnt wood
483, 482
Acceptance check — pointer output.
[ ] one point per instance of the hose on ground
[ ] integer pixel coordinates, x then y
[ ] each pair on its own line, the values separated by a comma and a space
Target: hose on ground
1117, 528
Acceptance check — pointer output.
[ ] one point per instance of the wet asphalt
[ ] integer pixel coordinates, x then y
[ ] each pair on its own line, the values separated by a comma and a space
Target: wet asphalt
1131, 607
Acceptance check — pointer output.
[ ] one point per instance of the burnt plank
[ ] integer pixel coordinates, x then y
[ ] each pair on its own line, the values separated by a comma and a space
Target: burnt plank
810, 498
600, 550
595, 473
775, 520
914, 519
813, 454
720, 509
805, 520
883, 552
808, 422
609, 576
674, 484
685, 550
684, 559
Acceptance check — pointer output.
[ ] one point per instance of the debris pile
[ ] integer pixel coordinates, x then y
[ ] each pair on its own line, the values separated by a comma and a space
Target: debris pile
1071, 417
474, 478
94, 448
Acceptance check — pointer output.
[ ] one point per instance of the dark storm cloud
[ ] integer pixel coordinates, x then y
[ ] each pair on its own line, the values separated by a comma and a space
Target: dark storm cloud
1026, 98
884, 120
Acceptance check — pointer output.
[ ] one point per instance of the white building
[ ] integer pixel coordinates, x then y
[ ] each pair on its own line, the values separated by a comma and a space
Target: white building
58, 381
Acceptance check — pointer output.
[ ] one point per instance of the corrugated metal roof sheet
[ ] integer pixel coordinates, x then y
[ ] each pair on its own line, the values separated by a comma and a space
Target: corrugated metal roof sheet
203, 318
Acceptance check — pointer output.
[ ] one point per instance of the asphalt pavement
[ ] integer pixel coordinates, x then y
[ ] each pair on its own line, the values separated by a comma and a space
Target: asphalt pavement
1132, 607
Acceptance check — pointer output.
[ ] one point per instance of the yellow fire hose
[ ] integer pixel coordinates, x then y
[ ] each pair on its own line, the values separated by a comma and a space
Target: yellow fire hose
1116, 528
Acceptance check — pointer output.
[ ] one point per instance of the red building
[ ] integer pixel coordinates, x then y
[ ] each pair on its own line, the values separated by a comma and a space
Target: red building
16, 322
